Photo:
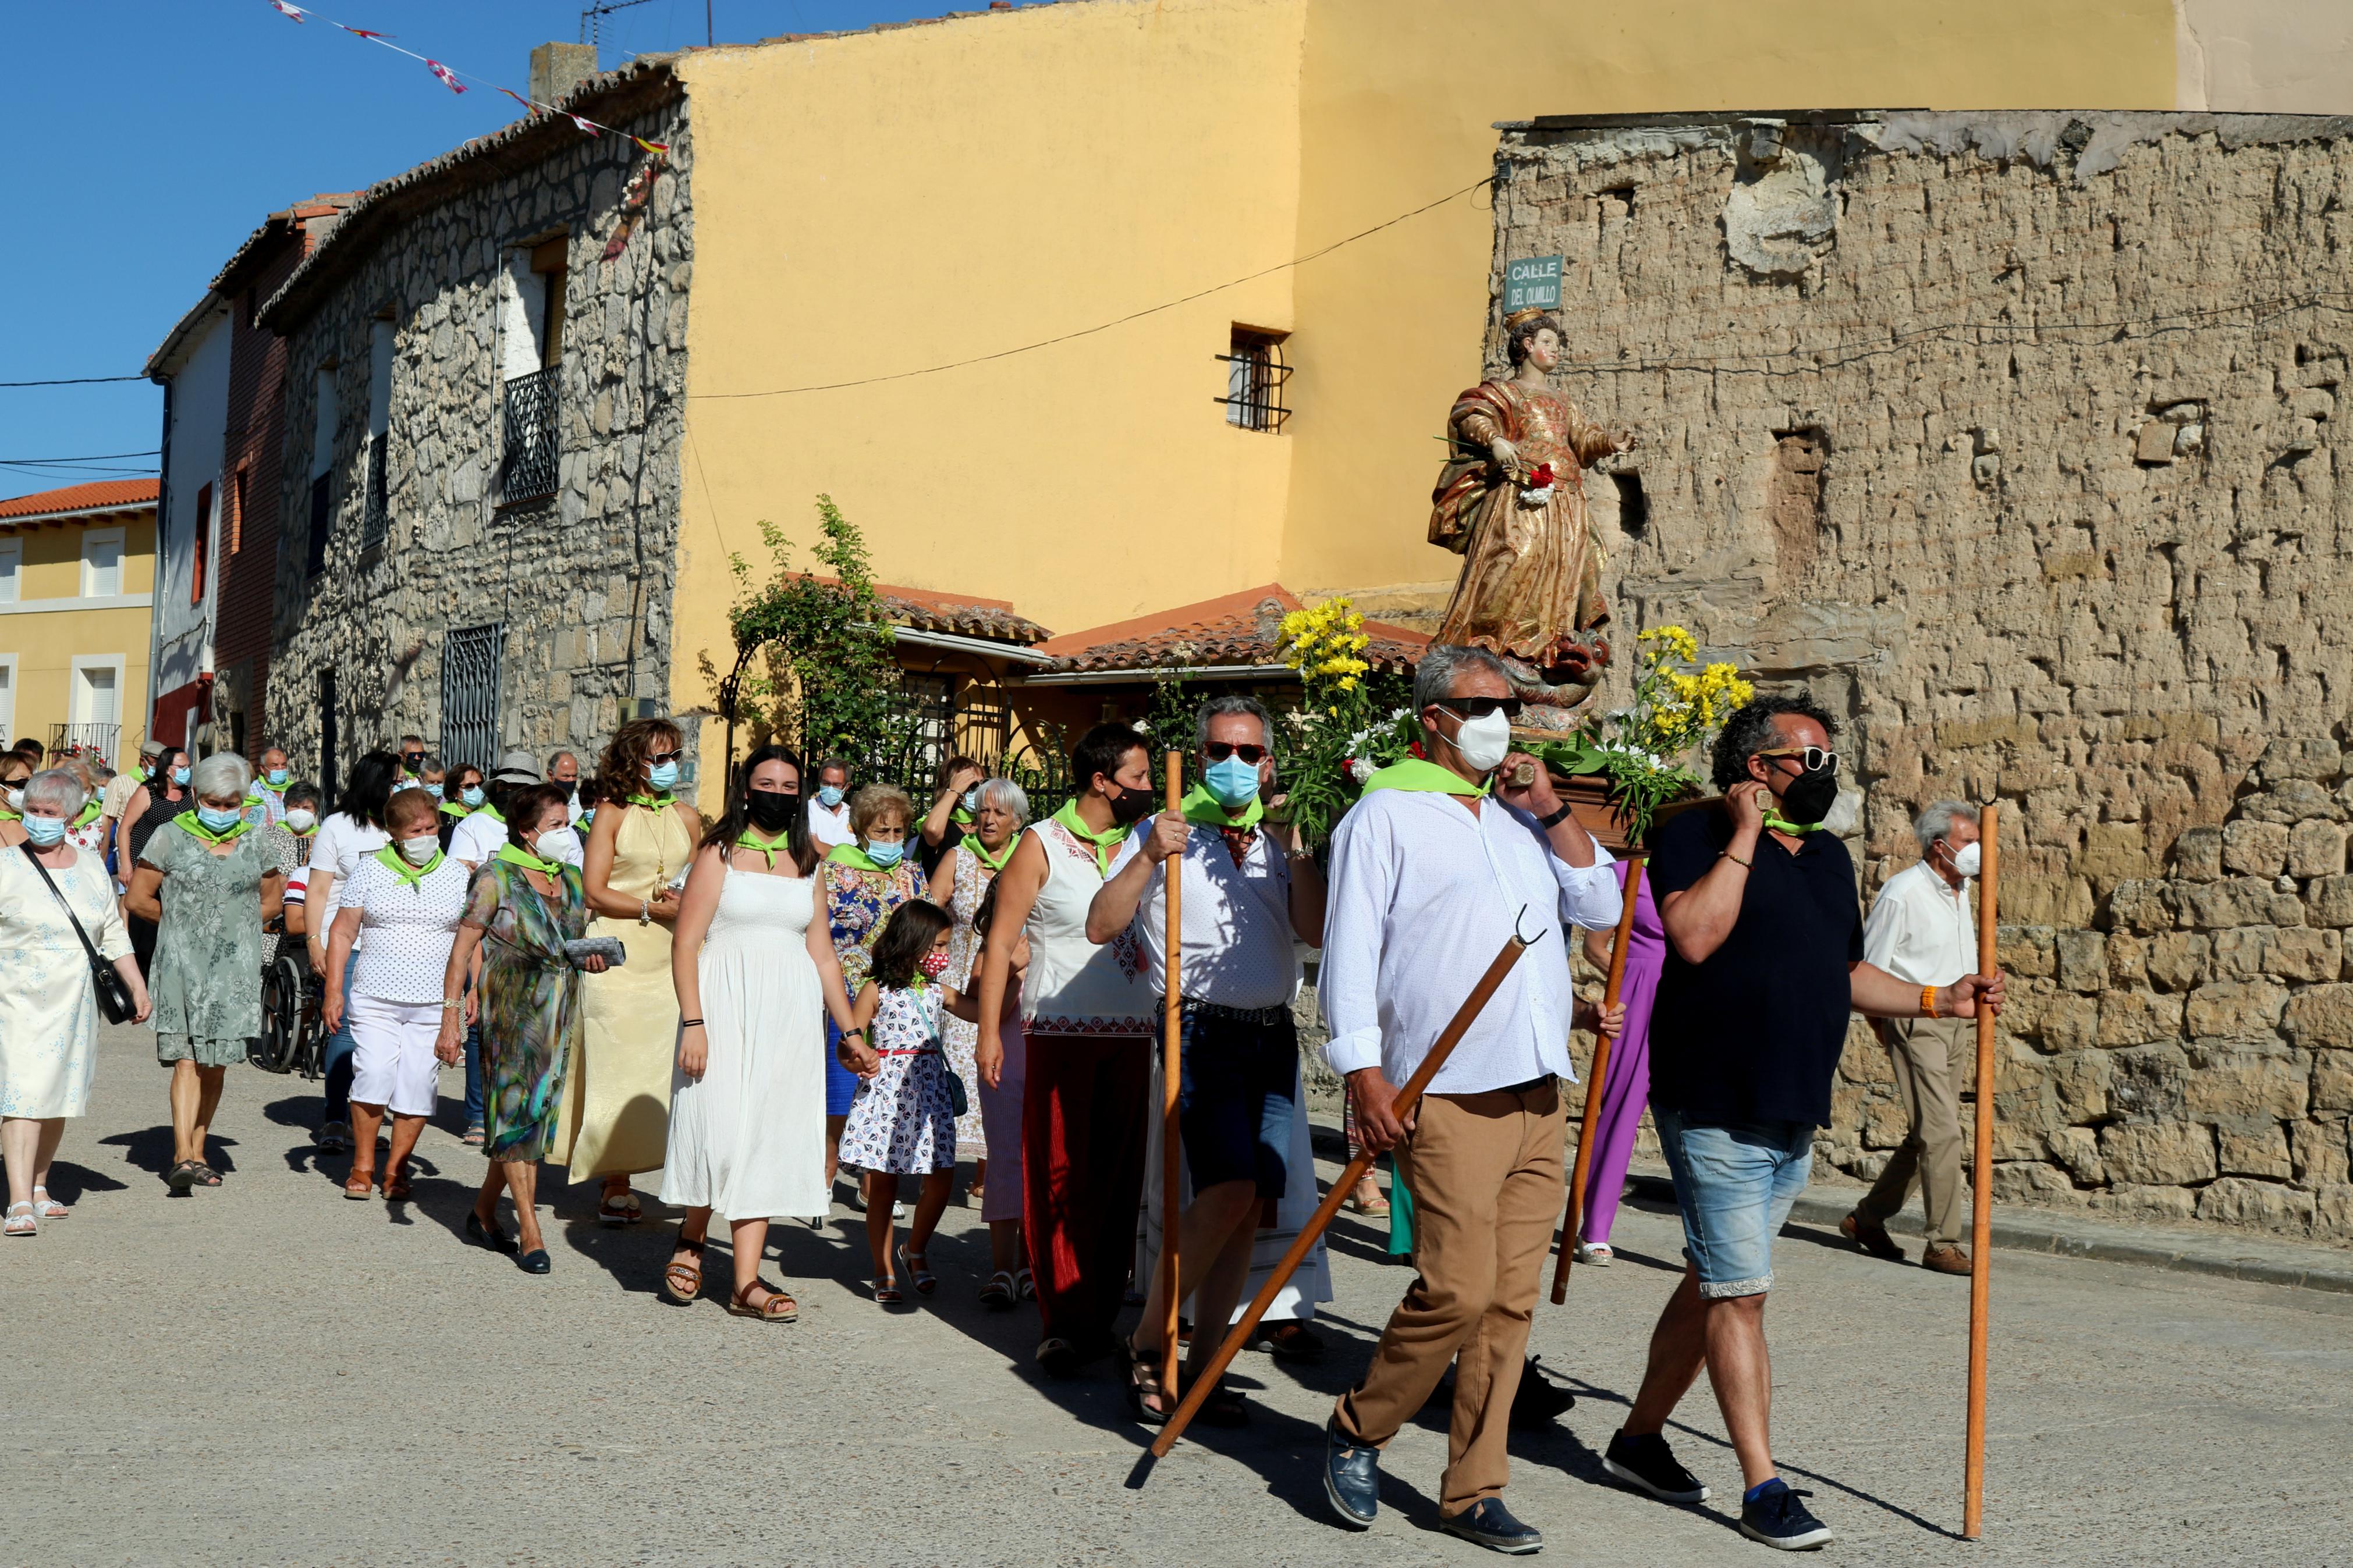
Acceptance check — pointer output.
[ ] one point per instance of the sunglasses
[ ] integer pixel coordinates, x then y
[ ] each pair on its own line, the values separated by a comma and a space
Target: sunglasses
1480, 706
1219, 751
1813, 759
656, 759
412, 758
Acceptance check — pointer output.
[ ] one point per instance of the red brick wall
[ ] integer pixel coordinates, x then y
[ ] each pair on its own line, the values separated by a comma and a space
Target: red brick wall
255, 438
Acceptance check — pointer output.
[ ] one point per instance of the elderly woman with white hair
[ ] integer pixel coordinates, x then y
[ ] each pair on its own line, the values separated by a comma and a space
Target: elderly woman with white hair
999, 810
209, 884
48, 1016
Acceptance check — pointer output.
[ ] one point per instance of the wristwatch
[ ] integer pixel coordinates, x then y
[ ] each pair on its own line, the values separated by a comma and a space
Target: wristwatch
645, 911
1552, 819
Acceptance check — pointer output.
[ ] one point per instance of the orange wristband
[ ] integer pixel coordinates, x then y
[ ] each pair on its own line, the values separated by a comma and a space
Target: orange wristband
1927, 1001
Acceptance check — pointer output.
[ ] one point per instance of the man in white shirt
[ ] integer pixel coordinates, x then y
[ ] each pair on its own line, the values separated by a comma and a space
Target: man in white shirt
479, 835
1430, 874
1921, 929
564, 772
829, 808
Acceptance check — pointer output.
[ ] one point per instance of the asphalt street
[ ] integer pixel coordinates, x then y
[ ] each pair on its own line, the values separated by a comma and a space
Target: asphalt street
268, 1373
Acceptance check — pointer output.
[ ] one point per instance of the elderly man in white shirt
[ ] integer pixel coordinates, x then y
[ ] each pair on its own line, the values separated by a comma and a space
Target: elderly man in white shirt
1430, 874
829, 808
1921, 929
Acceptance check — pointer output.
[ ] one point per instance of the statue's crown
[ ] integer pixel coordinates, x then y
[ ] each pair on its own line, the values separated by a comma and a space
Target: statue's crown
1530, 314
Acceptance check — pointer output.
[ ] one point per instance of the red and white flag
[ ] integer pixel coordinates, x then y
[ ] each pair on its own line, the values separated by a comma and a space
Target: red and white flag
360, 32
449, 77
283, 9
590, 126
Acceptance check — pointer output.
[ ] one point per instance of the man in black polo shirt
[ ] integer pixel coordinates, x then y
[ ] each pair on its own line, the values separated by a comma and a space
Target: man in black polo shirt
1763, 962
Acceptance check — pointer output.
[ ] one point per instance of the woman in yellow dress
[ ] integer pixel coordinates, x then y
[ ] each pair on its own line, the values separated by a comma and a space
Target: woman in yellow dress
615, 1121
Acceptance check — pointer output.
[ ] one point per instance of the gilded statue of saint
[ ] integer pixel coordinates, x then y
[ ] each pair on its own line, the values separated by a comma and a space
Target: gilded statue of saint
1511, 501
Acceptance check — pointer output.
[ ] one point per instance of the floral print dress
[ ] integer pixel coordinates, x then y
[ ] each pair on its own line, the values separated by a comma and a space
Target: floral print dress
902, 1119
531, 1005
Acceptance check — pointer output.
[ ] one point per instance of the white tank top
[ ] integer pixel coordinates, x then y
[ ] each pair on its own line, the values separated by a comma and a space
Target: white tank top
1073, 986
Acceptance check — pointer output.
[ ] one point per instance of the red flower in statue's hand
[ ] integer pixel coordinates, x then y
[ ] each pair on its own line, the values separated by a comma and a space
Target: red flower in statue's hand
1541, 477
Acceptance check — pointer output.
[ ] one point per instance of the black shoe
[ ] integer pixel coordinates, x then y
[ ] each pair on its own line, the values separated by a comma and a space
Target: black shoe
1352, 1477
1647, 1464
488, 1235
536, 1261
1490, 1524
1777, 1519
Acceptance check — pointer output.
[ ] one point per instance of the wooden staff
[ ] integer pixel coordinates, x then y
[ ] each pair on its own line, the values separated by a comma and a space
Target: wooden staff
1981, 1185
1593, 1081
1407, 1098
1170, 1068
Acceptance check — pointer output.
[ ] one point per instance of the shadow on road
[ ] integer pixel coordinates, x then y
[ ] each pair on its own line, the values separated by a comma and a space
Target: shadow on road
150, 1149
69, 1182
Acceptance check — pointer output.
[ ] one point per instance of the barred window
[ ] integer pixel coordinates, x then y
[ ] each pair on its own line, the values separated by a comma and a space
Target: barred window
470, 658
1255, 377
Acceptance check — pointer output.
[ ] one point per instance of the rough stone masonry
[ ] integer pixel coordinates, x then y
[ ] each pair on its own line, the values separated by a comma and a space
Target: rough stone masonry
2015, 438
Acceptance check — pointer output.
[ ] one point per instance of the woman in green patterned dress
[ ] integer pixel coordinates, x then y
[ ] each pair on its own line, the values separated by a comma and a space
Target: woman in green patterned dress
528, 906
209, 886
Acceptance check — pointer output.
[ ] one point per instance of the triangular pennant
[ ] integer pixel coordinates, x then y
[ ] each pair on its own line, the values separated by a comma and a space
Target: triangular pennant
283, 9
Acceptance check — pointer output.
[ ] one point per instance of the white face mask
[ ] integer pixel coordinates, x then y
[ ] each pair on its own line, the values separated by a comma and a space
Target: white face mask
15, 798
555, 843
417, 851
1966, 859
1484, 742
301, 819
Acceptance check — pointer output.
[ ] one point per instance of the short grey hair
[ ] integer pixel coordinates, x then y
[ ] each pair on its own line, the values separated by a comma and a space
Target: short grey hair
1441, 664
56, 788
220, 776
1937, 822
1220, 707
1009, 796
556, 757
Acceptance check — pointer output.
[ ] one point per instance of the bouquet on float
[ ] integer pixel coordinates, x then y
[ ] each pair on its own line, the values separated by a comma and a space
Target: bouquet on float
1640, 751
1347, 723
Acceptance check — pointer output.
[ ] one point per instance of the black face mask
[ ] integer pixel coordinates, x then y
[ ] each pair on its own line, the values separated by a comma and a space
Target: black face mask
771, 810
1131, 805
1811, 795
571, 787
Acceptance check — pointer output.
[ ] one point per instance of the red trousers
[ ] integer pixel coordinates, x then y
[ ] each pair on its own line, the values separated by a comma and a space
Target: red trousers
1083, 1120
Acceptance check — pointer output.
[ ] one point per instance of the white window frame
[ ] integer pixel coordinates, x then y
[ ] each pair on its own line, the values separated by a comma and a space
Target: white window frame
8, 695
12, 572
77, 711
114, 536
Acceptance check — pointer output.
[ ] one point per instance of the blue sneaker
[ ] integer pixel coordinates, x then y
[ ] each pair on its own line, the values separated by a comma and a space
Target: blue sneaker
1776, 1518
1352, 1477
1490, 1524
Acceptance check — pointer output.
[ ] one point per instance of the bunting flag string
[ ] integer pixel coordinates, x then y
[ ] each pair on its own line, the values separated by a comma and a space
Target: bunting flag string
449, 77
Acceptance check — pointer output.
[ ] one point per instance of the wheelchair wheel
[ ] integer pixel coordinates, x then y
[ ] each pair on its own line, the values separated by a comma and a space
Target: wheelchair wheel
282, 1016
311, 1032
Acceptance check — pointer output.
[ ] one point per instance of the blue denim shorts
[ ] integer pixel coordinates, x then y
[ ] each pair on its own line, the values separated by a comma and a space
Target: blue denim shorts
1734, 1185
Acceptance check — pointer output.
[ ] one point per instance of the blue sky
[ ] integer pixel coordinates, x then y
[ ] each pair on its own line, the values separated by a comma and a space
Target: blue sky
150, 137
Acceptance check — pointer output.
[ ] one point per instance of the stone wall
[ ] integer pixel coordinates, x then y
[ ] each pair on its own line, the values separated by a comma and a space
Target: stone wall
582, 581
2013, 438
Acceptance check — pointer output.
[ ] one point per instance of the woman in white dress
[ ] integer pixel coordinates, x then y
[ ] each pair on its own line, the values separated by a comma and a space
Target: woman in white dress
48, 1014
752, 961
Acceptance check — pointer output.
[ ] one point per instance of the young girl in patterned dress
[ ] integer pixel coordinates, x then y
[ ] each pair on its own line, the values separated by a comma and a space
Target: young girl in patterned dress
900, 1118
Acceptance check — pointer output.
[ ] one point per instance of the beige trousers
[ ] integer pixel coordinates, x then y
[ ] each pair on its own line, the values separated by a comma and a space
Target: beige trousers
1485, 1174
1933, 1058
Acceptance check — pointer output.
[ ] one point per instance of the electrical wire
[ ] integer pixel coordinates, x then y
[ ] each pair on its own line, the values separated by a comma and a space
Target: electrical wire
73, 381
68, 462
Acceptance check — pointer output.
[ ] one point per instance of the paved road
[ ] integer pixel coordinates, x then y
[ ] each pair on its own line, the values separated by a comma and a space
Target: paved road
266, 1374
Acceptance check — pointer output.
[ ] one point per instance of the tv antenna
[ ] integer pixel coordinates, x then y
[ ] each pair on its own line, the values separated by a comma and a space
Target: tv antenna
592, 18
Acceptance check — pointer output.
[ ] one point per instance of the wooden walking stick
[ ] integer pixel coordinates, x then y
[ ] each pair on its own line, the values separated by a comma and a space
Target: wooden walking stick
1407, 1098
1593, 1081
1981, 1186
1170, 1068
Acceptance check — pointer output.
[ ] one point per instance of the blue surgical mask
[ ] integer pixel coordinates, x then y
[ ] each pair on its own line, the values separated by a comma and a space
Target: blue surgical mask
278, 778
885, 855
180, 776
219, 821
972, 799
471, 794
1232, 783
432, 789
829, 795
664, 778
45, 831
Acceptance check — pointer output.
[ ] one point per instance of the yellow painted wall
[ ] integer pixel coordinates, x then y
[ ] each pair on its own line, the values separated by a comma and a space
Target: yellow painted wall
46, 642
1398, 100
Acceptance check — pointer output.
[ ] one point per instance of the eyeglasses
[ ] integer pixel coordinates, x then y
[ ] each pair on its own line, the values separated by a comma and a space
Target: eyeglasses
1480, 706
1219, 751
656, 759
1813, 759
412, 758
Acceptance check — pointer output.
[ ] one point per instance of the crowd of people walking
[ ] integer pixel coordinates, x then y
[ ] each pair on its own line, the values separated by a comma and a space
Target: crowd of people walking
826, 978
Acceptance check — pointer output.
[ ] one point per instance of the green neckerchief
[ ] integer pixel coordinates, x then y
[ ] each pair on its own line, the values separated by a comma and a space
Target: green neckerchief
1199, 806
274, 789
960, 816
653, 802
550, 869
392, 860
856, 859
1774, 820
996, 862
1105, 844
784, 842
1422, 776
8, 816
188, 823
454, 808
90, 814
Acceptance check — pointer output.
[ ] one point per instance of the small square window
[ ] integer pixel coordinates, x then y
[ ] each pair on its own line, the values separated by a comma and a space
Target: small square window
1255, 377
101, 562
12, 557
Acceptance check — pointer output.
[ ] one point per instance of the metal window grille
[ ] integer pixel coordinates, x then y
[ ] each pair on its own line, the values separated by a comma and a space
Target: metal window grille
322, 518
1255, 377
927, 726
984, 727
528, 470
86, 740
470, 657
379, 503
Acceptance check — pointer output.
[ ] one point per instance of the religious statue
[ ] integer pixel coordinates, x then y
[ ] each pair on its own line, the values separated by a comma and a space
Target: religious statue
1511, 501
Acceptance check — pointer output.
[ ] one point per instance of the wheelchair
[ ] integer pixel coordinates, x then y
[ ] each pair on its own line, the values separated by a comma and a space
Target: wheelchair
293, 1025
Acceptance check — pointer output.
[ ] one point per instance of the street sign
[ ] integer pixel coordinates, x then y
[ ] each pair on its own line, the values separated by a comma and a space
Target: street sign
1532, 283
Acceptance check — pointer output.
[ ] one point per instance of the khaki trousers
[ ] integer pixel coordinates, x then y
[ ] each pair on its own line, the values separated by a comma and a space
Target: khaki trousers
1486, 1173
1932, 1056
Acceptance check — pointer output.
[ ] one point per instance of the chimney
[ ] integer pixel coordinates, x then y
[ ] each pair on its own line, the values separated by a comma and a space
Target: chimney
557, 69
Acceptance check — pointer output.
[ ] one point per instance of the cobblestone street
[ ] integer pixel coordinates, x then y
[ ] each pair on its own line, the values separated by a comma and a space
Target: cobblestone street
266, 1374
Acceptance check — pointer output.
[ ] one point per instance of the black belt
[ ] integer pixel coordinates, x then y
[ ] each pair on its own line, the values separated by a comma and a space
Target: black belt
1541, 1080
1261, 1016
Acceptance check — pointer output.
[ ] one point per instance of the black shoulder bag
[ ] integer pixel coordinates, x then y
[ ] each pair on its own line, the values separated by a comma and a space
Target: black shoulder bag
114, 996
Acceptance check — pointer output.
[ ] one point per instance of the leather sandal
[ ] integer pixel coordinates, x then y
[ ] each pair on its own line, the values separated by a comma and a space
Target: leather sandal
779, 1308
918, 1274
396, 1182
360, 1186
1143, 1383
683, 1283
184, 1175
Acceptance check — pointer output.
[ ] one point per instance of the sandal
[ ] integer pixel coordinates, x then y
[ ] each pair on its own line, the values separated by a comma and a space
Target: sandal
683, 1283
396, 1183
47, 1207
206, 1175
359, 1187
1293, 1341
1025, 1285
1366, 1199
182, 1176
614, 1213
473, 1137
779, 1308
922, 1277
886, 1292
20, 1220
999, 1294
1143, 1383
